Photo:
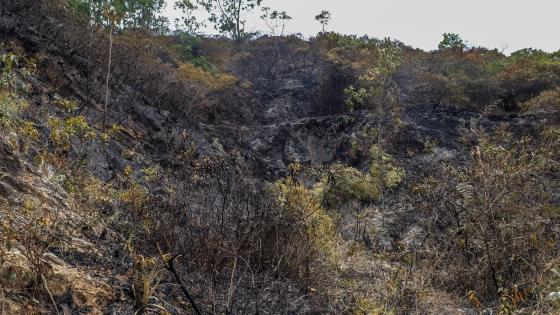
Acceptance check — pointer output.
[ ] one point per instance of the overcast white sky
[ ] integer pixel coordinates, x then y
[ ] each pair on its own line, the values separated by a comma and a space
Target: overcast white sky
502, 24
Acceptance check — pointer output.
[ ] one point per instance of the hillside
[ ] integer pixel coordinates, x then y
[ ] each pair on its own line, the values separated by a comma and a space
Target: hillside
274, 175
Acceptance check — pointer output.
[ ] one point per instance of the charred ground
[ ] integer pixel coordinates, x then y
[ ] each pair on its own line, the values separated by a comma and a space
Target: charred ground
277, 191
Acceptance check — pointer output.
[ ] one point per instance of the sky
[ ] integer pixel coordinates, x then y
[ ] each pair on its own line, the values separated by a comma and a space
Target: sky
508, 25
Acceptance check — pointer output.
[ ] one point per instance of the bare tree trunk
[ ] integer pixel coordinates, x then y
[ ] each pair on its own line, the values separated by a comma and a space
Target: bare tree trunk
108, 75
171, 267
238, 18
380, 161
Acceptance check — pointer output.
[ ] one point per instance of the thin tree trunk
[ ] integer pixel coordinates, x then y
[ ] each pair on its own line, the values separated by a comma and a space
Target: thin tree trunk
238, 30
171, 267
380, 165
108, 75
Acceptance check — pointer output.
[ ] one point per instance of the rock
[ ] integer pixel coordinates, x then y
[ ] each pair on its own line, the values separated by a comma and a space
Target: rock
82, 246
65, 309
85, 291
9, 306
9, 162
15, 272
53, 260
555, 296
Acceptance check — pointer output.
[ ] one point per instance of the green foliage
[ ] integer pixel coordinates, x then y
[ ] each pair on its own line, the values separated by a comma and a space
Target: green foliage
365, 306
383, 166
11, 104
451, 41
337, 40
227, 15
11, 108
66, 104
319, 239
145, 14
347, 183
81, 7
343, 183
188, 22
536, 55
376, 86
9, 63
355, 97
324, 18
481, 79
190, 50
62, 131
389, 59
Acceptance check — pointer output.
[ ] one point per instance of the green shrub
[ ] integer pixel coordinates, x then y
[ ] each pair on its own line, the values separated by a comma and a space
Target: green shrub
63, 130
383, 165
346, 183
451, 40
336, 40
315, 239
189, 49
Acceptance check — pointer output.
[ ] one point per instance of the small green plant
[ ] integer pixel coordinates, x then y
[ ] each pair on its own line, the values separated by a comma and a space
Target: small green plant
66, 104
63, 130
11, 104
148, 274
345, 183
355, 97
189, 49
365, 306
318, 238
9, 62
11, 108
228, 15
383, 166
134, 194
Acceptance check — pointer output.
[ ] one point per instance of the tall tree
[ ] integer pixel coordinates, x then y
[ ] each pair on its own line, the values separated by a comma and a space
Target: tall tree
324, 18
227, 15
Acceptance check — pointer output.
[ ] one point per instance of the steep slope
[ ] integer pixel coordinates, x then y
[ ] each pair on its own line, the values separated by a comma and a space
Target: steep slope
268, 192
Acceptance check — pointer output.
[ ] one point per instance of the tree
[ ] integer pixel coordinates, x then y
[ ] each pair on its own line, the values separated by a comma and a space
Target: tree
145, 14
226, 15
275, 19
452, 40
378, 89
188, 21
324, 18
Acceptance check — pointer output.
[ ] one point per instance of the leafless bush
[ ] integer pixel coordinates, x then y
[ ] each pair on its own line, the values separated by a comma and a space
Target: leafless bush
494, 223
